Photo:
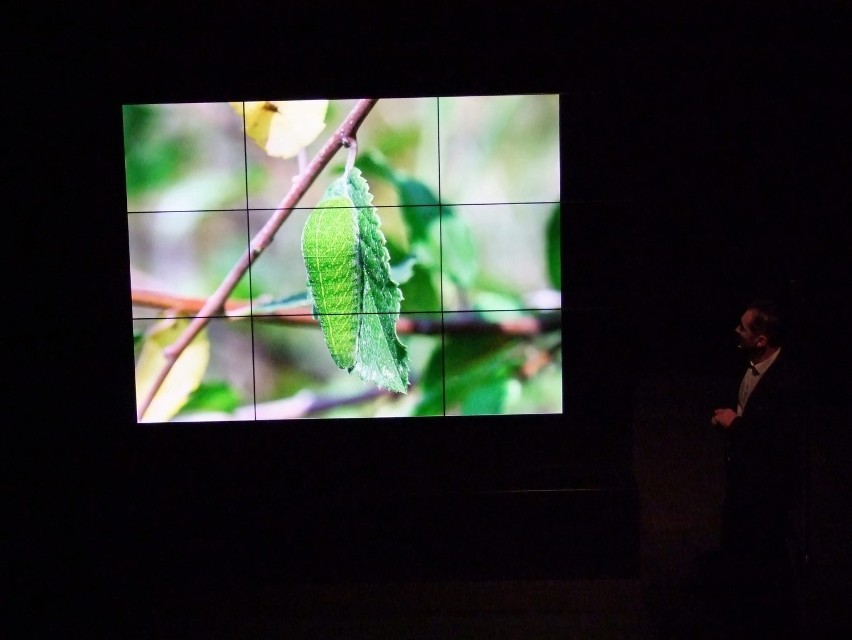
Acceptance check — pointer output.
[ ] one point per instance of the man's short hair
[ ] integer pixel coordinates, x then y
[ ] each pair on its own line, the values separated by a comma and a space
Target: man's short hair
767, 320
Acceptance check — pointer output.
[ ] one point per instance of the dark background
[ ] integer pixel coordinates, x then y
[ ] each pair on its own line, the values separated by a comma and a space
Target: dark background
705, 162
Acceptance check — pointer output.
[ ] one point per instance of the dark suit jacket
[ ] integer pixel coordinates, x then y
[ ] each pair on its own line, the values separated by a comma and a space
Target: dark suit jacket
762, 460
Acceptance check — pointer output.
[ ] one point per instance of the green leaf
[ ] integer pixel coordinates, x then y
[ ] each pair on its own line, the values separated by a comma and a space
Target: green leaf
553, 248
437, 235
420, 213
355, 299
440, 240
374, 163
458, 251
402, 271
420, 208
330, 248
492, 397
465, 366
212, 396
421, 292
419, 205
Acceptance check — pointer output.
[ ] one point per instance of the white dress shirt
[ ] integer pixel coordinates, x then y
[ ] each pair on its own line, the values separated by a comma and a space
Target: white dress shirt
751, 378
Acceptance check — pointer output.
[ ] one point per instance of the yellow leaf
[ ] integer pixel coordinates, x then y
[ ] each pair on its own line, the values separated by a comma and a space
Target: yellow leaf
183, 379
281, 127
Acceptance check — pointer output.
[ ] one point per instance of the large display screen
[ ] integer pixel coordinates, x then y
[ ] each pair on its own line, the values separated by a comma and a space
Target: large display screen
393, 257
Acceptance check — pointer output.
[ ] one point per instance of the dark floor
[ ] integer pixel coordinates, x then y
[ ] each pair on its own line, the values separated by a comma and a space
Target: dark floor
678, 467
679, 470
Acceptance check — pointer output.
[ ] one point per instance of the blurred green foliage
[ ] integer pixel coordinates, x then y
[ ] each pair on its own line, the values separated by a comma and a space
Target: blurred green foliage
554, 250
469, 372
212, 396
151, 158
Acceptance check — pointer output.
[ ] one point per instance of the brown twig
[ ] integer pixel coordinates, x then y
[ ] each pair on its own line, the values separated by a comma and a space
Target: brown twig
217, 301
466, 323
461, 322
160, 300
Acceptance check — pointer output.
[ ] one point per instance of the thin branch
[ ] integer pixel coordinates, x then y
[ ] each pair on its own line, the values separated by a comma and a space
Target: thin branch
216, 302
160, 300
462, 322
465, 323
536, 361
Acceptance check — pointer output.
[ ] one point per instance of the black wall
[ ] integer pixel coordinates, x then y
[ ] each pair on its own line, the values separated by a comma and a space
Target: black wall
699, 172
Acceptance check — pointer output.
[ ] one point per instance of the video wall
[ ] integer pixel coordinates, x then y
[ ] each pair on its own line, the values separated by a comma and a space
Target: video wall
391, 257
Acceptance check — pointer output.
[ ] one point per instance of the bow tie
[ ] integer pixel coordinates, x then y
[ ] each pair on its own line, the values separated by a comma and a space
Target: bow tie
753, 369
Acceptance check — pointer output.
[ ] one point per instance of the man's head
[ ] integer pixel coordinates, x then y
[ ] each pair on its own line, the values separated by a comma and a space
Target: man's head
760, 328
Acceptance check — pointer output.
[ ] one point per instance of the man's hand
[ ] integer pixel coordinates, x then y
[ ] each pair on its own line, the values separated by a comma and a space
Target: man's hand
723, 417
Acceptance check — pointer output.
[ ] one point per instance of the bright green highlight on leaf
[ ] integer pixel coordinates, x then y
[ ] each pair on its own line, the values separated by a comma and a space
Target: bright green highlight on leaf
355, 299
331, 253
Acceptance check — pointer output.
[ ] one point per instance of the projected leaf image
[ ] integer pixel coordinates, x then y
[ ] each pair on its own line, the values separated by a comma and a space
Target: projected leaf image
310, 245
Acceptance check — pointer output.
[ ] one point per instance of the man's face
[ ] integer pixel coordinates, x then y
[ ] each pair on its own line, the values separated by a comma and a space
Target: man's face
749, 341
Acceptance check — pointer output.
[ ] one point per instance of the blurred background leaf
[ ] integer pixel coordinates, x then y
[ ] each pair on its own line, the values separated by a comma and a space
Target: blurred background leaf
152, 157
212, 396
461, 367
283, 127
553, 235
184, 377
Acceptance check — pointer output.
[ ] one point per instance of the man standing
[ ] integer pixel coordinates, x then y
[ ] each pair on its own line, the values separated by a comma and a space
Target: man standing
761, 463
